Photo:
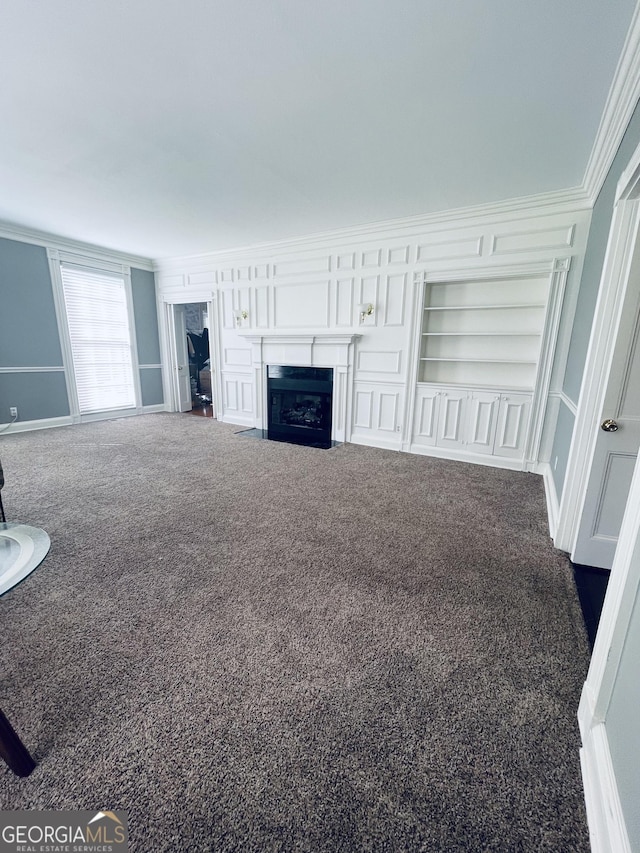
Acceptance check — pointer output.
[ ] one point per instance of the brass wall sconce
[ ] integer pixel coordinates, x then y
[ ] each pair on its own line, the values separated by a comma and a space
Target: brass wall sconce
366, 309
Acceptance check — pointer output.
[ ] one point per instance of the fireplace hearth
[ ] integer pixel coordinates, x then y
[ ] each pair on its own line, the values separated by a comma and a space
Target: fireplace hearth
300, 404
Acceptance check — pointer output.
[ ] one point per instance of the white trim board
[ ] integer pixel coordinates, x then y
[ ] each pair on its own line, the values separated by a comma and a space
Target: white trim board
613, 284
621, 102
11, 231
607, 829
26, 426
527, 207
551, 496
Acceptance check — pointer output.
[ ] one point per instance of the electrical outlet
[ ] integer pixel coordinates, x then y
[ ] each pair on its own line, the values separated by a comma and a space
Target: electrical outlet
13, 411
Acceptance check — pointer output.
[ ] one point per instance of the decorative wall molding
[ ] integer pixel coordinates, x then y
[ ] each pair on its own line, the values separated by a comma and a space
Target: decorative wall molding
607, 828
59, 369
409, 228
621, 102
44, 423
22, 234
551, 496
566, 400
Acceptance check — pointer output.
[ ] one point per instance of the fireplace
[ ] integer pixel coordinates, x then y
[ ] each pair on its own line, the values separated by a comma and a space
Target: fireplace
299, 406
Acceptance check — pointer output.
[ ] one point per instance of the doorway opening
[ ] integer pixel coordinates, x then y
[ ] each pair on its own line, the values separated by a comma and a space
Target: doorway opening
193, 389
196, 317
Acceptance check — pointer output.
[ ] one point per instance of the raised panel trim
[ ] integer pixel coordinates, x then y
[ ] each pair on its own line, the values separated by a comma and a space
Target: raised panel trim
261, 271
367, 398
427, 416
447, 250
346, 261
387, 320
480, 420
379, 361
451, 415
371, 258
512, 242
382, 398
398, 255
235, 357
344, 302
202, 279
262, 307
302, 266
322, 321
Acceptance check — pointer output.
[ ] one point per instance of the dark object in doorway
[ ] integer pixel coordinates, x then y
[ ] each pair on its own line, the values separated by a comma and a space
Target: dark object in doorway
591, 584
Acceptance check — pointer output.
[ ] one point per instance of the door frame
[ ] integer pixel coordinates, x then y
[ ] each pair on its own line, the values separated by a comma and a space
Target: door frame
168, 337
616, 273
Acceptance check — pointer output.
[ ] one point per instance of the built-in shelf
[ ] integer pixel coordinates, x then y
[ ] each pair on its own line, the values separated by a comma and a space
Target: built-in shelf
491, 307
477, 333
503, 389
482, 360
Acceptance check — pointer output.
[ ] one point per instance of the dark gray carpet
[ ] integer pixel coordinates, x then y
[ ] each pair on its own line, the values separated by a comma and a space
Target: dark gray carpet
255, 646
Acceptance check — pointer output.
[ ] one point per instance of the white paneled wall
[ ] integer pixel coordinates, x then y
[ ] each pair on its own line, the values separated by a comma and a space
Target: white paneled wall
311, 289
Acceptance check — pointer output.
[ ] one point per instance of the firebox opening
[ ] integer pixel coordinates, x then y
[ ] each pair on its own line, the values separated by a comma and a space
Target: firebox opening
300, 404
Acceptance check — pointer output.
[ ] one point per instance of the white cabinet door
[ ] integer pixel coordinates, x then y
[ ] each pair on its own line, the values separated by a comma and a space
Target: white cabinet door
425, 419
482, 416
451, 419
513, 420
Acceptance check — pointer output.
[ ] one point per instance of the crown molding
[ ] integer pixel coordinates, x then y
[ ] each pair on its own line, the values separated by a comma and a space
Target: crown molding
11, 231
542, 204
621, 102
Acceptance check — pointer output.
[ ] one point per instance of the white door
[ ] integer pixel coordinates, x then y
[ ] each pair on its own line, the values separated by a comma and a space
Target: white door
618, 438
182, 380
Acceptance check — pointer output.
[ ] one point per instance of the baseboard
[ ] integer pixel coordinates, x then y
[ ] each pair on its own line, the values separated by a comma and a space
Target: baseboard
551, 496
382, 443
43, 423
237, 421
151, 410
463, 456
607, 829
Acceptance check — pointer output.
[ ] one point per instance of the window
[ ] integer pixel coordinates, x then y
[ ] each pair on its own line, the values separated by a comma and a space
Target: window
97, 317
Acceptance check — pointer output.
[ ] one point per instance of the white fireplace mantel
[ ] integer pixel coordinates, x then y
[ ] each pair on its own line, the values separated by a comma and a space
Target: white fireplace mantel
314, 349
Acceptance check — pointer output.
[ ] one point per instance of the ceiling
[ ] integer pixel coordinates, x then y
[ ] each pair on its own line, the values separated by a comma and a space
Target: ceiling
173, 127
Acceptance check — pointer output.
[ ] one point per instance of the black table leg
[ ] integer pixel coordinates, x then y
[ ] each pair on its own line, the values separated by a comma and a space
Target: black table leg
13, 751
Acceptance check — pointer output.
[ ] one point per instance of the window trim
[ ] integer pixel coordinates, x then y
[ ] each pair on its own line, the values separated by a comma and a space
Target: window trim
92, 264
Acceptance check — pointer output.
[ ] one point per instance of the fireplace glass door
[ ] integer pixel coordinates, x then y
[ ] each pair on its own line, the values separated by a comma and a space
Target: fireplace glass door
300, 403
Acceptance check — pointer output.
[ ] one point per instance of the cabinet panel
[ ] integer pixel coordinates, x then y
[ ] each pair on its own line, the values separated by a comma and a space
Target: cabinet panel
425, 421
481, 422
513, 419
451, 419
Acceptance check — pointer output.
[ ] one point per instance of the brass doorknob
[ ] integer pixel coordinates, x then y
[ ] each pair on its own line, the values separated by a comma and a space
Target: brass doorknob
609, 425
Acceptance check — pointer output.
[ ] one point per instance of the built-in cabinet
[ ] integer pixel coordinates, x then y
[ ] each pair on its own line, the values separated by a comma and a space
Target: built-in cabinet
472, 421
480, 339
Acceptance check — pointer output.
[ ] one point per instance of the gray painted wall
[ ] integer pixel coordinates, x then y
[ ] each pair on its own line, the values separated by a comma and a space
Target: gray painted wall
561, 442
29, 335
28, 329
145, 313
594, 260
151, 386
36, 395
589, 286
623, 731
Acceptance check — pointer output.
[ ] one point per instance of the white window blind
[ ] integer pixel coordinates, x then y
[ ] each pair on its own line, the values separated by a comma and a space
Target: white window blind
96, 307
